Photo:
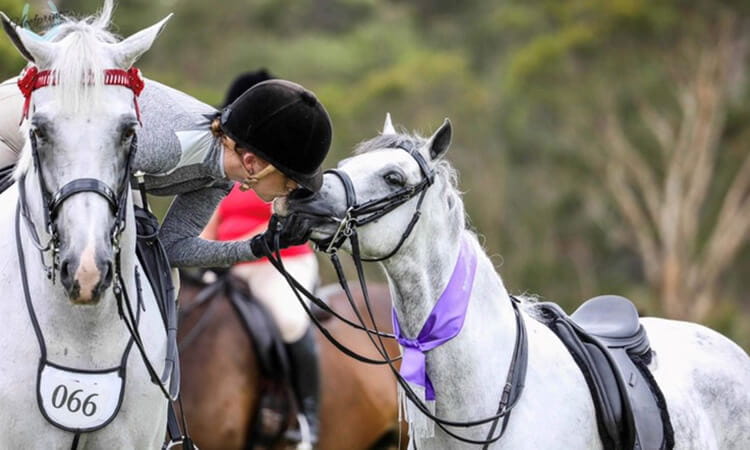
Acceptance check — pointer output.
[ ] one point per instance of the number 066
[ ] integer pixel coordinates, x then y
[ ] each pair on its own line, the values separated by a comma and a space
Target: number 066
72, 402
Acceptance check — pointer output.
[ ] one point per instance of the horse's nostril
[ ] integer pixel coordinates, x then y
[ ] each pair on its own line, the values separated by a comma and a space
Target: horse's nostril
66, 275
301, 194
65, 270
107, 274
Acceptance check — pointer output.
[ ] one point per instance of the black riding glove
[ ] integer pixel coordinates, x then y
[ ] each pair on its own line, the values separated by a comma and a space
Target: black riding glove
286, 231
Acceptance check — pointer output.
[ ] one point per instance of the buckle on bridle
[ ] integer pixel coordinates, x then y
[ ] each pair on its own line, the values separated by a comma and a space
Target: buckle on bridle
344, 229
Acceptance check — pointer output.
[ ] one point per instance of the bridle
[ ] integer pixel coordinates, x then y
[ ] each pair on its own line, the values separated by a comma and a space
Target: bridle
117, 198
358, 215
30, 80
51, 204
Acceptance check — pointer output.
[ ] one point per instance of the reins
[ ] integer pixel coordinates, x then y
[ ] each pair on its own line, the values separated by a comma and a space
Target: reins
358, 215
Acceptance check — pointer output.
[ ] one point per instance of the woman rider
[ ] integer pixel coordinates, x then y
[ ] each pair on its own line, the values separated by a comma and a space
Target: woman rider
242, 214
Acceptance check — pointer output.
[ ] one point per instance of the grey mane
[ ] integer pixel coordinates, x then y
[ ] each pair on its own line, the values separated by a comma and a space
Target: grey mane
390, 141
443, 168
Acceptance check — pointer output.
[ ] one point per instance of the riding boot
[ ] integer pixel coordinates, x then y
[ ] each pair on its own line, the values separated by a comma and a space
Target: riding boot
305, 381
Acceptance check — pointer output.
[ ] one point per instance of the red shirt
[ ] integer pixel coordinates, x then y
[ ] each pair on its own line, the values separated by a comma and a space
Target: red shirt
242, 212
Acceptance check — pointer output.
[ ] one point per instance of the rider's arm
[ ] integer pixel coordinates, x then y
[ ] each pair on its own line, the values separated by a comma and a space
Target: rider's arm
180, 233
211, 230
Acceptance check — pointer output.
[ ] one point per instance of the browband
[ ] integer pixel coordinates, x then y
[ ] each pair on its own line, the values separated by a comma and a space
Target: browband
32, 79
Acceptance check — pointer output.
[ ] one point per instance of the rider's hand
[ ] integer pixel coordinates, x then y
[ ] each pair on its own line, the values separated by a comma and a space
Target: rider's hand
288, 231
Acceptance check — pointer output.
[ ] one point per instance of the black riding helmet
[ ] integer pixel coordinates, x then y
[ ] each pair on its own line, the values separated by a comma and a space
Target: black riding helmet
284, 124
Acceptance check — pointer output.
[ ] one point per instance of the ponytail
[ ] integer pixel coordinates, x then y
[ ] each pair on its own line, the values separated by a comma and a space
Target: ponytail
216, 127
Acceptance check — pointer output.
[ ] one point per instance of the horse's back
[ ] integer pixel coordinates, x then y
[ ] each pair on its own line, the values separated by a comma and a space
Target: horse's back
705, 378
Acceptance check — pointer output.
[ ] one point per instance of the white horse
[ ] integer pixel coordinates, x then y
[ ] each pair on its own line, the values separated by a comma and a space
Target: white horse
83, 125
705, 378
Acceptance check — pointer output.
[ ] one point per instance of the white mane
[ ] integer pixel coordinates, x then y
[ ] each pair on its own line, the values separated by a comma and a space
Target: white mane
78, 65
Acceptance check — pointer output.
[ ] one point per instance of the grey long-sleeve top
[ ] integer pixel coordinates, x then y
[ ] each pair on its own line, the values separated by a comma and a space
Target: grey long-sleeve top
180, 157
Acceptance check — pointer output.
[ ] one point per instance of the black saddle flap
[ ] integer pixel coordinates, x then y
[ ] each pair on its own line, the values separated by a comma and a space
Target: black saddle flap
596, 366
264, 334
611, 347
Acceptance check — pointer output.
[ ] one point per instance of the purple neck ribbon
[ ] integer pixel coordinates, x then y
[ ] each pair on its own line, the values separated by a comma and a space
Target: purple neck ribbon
443, 324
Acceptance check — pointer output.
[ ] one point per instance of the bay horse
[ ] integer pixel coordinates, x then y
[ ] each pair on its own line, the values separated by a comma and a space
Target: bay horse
222, 380
80, 324
398, 196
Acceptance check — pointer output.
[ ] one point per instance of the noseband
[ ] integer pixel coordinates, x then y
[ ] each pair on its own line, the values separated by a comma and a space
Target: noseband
361, 214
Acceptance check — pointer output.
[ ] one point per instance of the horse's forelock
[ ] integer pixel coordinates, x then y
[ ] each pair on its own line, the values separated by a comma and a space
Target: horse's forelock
73, 64
79, 65
389, 141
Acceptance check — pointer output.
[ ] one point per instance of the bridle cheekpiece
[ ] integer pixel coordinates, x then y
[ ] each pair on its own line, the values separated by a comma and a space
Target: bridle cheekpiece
361, 214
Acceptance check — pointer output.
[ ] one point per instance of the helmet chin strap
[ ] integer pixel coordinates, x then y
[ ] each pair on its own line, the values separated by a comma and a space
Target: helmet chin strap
253, 179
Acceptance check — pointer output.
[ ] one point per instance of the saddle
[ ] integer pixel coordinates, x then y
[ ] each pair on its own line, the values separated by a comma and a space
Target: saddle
275, 403
611, 347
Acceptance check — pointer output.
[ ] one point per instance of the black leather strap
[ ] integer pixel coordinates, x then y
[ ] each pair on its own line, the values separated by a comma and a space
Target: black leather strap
82, 185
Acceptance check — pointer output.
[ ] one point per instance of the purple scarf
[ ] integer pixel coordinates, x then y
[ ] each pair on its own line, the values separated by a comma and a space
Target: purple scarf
444, 322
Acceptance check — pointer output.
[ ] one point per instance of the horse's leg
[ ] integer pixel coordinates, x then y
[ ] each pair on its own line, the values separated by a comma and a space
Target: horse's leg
705, 379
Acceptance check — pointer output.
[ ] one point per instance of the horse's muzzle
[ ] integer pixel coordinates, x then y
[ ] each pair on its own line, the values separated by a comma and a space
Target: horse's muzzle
85, 279
323, 217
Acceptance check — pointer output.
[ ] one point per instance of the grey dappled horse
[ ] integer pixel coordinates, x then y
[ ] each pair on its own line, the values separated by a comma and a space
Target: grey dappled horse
705, 378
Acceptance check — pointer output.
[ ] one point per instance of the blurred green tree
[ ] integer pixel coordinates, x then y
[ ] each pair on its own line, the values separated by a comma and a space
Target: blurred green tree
642, 94
11, 61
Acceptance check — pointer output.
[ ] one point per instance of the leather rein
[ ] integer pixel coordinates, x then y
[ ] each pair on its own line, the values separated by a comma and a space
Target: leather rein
361, 214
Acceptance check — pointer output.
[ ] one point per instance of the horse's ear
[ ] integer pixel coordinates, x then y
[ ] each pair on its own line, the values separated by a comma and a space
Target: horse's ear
441, 140
28, 43
388, 126
127, 52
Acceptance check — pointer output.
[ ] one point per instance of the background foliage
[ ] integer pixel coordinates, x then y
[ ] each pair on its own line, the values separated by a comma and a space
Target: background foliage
583, 128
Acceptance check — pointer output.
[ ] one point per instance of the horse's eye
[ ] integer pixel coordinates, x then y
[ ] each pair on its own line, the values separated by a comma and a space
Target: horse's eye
128, 133
394, 179
39, 133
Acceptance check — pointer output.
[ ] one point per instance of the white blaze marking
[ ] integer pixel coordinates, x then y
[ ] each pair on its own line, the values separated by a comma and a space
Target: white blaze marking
88, 274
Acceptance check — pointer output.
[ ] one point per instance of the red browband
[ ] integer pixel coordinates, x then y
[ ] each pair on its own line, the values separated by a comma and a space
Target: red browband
32, 79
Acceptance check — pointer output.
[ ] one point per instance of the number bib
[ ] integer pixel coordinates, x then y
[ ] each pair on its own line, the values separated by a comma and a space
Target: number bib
79, 401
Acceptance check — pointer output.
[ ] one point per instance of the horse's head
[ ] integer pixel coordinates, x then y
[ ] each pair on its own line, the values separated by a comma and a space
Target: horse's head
394, 179
82, 122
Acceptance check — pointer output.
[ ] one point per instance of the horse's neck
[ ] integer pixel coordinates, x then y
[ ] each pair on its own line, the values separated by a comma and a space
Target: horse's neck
484, 345
75, 335
417, 276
